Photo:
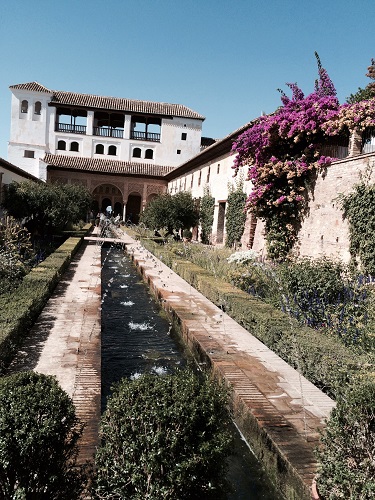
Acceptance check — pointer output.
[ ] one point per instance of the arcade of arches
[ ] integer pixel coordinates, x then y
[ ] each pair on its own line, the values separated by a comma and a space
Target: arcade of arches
107, 195
126, 195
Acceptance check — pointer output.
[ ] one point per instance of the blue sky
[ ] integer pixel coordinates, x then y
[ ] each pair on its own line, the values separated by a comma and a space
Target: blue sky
223, 58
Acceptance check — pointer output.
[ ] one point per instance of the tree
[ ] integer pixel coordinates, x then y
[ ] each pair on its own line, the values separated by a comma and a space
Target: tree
164, 437
158, 213
174, 212
47, 207
206, 215
235, 215
368, 92
38, 439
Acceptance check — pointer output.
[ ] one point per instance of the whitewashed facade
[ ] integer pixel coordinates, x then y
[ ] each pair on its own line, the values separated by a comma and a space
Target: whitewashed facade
45, 121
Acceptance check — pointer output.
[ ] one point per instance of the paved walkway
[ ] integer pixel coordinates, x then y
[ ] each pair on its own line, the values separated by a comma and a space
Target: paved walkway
65, 341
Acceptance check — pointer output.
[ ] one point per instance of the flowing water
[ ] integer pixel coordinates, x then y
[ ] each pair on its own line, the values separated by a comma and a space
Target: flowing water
138, 338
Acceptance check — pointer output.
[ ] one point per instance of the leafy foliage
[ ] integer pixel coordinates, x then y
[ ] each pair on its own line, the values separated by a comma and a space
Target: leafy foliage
359, 209
206, 215
282, 152
235, 215
369, 91
15, 253
174, 212
347, 457
38, 439
164, 437
47, 207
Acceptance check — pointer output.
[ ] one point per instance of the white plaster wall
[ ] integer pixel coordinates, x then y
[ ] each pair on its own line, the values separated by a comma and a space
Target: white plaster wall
171, 141
220, 178
28, 131
8, 177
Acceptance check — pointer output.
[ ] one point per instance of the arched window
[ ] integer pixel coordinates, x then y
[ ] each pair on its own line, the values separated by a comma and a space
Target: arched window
37, 108
136, 152
74, 146
112, 150
149, 154
61, 145
24, 106
99, 149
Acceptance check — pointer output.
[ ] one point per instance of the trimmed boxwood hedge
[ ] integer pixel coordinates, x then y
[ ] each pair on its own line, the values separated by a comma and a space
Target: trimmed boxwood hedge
321, 359
20, 308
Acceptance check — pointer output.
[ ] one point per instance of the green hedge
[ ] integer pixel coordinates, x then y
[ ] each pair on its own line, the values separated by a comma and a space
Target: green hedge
20, 308
322, 359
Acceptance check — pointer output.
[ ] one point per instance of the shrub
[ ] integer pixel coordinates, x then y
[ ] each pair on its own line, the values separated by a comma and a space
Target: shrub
322, 293
164, 437
347, 456
206, 215
235, 215
38, 439
15, 253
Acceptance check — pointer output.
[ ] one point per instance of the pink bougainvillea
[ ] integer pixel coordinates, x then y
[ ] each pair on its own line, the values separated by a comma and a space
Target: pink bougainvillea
281, 149
355, 116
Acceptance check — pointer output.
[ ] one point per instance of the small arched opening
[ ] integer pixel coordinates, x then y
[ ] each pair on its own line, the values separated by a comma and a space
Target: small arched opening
136, 153
133, 208
24, 106
99, 149
149, 154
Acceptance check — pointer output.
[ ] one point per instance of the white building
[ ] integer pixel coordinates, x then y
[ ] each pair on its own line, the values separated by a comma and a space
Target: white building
45, 121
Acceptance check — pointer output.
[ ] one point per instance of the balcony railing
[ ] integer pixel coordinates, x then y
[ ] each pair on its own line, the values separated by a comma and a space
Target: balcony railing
109, 132
75, 129
145, 136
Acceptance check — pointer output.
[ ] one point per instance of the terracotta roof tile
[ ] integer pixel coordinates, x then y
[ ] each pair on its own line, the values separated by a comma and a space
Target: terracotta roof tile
120, 104
33, 86
112, 103
106, 166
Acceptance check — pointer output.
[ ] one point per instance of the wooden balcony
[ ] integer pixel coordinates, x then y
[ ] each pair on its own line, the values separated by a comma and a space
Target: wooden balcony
145, 136
109, 132
74, 129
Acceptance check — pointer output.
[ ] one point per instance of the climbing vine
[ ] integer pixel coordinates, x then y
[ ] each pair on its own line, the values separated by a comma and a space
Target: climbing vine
359, 209
235, 214
206, 215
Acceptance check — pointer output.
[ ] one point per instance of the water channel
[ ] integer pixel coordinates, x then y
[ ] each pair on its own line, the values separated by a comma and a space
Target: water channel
137, 338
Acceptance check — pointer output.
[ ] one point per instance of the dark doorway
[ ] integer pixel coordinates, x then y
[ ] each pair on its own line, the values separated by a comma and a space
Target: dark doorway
133, 208
220, 222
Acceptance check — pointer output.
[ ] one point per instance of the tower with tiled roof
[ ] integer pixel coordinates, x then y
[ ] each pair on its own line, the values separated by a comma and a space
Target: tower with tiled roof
85, 127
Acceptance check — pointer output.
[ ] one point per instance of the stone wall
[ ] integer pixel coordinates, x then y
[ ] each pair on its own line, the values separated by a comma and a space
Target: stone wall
324, 232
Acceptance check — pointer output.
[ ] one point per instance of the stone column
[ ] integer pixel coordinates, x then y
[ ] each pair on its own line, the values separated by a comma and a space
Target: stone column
355, 143
90, 123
